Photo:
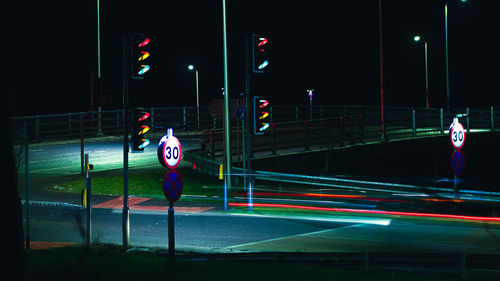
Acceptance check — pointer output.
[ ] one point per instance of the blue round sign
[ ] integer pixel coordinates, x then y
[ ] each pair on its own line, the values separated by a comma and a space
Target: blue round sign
172, 185
241, 113
458, 162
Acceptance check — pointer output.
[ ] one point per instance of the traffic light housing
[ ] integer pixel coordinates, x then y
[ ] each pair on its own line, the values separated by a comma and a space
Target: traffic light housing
140, 126
260, 53
262, 115
140, 56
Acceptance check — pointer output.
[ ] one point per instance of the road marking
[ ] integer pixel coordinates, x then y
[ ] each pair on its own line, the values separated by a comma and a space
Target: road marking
117, 203
292, 236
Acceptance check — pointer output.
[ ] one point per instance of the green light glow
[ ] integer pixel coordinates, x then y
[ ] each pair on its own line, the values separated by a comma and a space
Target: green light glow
416, 38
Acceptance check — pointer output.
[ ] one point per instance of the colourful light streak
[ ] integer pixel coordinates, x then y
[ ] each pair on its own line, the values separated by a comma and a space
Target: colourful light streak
264, 115
144, 117
360, 211
264, 103
144, 56
264, 126
144, 130
320, 195
144, 144
144, 43
263, 41
144, 69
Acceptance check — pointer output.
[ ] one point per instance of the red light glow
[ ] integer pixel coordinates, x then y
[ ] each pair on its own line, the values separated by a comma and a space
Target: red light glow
144, 117
395, 213
263, 41
144, 43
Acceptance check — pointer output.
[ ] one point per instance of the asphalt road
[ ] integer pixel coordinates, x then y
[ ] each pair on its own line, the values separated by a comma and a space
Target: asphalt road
64, 158
223, 232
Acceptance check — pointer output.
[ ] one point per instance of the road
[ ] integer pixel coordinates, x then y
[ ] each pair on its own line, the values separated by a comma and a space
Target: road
229, 232
64, 158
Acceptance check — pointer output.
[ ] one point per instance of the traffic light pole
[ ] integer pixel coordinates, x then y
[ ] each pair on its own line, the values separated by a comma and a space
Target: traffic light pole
248, 76
125, 212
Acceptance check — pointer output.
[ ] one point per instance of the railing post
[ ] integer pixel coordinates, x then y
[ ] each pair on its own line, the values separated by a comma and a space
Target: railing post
442, 120
362, 127
306, 129
468, 123
296, 113
99, 122
212, 145
413, 123
492, 119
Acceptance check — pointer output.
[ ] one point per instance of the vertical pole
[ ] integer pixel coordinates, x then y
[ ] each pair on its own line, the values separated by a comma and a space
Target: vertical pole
227, 127
99, 122
125, 212
250, 113
492, 118
171, 231
89, 196
296, 113
426, 77
26, 164
197, 99
468, 119
413, 123
446, 54
442, 120
383, 137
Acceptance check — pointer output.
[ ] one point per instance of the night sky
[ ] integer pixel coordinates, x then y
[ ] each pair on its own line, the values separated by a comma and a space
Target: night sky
50, 49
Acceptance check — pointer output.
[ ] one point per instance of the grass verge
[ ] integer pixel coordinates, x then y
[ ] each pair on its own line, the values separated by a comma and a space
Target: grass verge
102, 263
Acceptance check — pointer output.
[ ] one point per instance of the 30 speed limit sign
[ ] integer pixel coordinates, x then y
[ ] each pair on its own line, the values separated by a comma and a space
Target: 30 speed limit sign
170, 152
457, 136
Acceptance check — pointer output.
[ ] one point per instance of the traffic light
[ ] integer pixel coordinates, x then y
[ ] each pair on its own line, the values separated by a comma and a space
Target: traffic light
260, 53
141, 56
261, 109
140, 128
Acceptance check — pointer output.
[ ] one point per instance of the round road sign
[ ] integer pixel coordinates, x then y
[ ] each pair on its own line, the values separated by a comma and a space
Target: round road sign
170, 152
457, 136
172, 185
458, 162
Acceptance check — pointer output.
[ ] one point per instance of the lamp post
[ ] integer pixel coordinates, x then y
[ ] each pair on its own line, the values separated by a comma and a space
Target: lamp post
417, 39
191, 67
310, 94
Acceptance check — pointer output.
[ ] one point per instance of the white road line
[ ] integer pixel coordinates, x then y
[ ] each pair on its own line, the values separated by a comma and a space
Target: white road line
291, 236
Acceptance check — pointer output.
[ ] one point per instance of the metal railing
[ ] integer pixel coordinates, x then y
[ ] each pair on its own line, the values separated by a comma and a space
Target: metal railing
340, 126
292, 125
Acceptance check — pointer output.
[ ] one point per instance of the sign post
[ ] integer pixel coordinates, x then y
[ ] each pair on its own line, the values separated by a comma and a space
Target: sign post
457, 138
169, 155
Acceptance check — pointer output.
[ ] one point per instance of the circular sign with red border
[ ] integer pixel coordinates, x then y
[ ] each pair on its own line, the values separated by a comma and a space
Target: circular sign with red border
172, 185
172, 152
457, 136
458, 162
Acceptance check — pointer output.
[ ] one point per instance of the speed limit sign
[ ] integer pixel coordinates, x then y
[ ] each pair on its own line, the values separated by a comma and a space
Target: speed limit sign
170, 152
457, 136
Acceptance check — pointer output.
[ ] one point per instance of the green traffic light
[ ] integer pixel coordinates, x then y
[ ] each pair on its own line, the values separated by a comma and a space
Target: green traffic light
416, 38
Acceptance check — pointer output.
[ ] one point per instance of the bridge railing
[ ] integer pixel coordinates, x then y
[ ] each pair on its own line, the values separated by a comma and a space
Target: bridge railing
293, 125
341, 126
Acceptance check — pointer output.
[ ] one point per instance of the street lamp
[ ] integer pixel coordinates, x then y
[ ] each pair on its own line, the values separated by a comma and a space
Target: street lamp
310, 94
417, 39
191, 67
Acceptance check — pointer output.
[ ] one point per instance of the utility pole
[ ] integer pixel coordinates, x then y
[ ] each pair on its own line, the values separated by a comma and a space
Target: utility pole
125, 212
227, 126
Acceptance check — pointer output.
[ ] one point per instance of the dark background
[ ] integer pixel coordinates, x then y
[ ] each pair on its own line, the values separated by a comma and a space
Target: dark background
50, 49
